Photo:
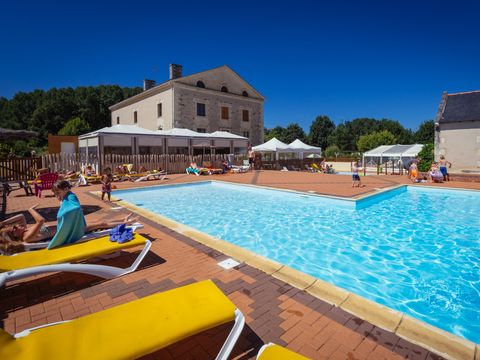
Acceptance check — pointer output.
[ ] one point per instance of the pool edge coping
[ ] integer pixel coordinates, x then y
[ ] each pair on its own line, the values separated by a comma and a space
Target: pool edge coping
432, 338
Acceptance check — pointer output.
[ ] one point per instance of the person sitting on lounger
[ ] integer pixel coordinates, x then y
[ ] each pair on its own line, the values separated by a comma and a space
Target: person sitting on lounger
15, 232
435, 174
193, 169
89, 171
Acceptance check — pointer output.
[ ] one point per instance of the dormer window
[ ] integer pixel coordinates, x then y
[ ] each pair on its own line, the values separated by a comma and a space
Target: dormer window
200, 84
224, 89
245, 94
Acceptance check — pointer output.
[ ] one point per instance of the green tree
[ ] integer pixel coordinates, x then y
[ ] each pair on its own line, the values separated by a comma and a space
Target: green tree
426, 156
402, 135
76, 126
425, 133
48, 111
373, 140
277, 132
331, 151
341, 137
292, 132
320, 130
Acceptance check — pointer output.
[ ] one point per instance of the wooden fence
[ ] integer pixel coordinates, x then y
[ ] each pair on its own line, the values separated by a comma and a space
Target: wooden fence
21, 168
25, 168
173, 164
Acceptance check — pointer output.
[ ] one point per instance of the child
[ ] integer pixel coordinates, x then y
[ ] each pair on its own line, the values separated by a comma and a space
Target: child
107, 179
413, 172
355, 176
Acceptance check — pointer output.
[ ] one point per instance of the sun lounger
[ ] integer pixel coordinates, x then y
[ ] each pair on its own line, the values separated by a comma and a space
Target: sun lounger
310, 169
272, 351
25, 264
130, 330
162, 175
87, 237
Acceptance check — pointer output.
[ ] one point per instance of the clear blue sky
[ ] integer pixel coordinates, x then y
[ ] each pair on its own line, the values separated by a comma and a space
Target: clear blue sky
344, 59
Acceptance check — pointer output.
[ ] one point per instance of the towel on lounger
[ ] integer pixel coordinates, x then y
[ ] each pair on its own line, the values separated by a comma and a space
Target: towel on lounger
121, 234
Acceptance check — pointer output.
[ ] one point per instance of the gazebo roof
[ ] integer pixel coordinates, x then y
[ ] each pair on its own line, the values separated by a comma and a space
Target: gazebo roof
300, 145
272, 145
10, 134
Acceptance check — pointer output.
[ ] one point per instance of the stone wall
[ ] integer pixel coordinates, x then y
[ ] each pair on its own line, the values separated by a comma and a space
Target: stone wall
187, 97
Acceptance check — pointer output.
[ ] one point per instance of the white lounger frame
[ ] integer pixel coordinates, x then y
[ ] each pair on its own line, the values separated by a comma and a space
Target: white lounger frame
104, 271
263, 348
222, 355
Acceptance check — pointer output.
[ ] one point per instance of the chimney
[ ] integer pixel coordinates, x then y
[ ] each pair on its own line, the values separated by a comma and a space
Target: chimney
148, 84
175, 71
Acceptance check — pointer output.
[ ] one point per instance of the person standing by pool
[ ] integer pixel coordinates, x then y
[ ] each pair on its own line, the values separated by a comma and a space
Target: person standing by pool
251, 157
443, 167
355, 176
407, 165
107, 179
413, 171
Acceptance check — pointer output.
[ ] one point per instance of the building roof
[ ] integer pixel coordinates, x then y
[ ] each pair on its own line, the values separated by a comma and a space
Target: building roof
120, 129
181, 132
9, 134
137, 130
225, 135
461, 107
167, 84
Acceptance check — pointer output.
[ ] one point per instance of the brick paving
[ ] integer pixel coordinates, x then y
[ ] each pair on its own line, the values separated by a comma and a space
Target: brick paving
274, 311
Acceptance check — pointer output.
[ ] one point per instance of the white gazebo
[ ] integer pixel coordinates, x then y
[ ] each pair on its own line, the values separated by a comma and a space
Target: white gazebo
273, 146
301, 148
385, 153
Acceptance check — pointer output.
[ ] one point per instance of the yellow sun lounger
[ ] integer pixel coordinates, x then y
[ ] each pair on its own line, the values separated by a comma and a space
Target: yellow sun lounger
130, 330
272, 351
25, 264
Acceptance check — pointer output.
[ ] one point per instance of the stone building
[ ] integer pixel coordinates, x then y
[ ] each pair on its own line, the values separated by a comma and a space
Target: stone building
457, 130
208, 101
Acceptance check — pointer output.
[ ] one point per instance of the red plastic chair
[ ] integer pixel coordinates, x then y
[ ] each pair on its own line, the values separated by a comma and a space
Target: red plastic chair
45, 182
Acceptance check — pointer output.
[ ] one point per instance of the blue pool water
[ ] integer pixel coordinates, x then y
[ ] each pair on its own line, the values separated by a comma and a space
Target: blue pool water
416, 250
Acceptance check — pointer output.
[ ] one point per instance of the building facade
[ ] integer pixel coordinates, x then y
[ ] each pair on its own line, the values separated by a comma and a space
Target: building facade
213, 100
457, 130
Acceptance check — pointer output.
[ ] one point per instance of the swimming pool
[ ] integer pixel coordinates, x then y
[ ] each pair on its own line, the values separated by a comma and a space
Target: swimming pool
413, 249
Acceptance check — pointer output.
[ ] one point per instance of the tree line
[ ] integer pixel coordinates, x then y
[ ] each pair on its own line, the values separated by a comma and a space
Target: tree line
66, 111
357, 135
69, 111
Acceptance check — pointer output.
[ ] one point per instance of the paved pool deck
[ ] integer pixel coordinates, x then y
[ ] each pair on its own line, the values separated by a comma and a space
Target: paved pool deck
275, 310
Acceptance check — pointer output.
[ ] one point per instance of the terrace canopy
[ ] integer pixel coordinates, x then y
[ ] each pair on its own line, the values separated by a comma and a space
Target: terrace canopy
9, 134
386, 153
135, 140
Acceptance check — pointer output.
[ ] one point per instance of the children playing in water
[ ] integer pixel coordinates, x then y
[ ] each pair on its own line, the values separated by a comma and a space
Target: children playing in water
107, 179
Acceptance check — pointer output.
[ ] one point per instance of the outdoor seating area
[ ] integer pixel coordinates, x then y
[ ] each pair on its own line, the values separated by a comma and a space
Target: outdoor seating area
46, 286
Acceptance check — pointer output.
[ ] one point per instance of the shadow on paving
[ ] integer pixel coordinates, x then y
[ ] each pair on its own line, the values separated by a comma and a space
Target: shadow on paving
206, 345
50, 213
35, 291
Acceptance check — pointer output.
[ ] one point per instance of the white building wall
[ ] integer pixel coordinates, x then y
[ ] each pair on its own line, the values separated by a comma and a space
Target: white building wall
460, 143
147, 112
